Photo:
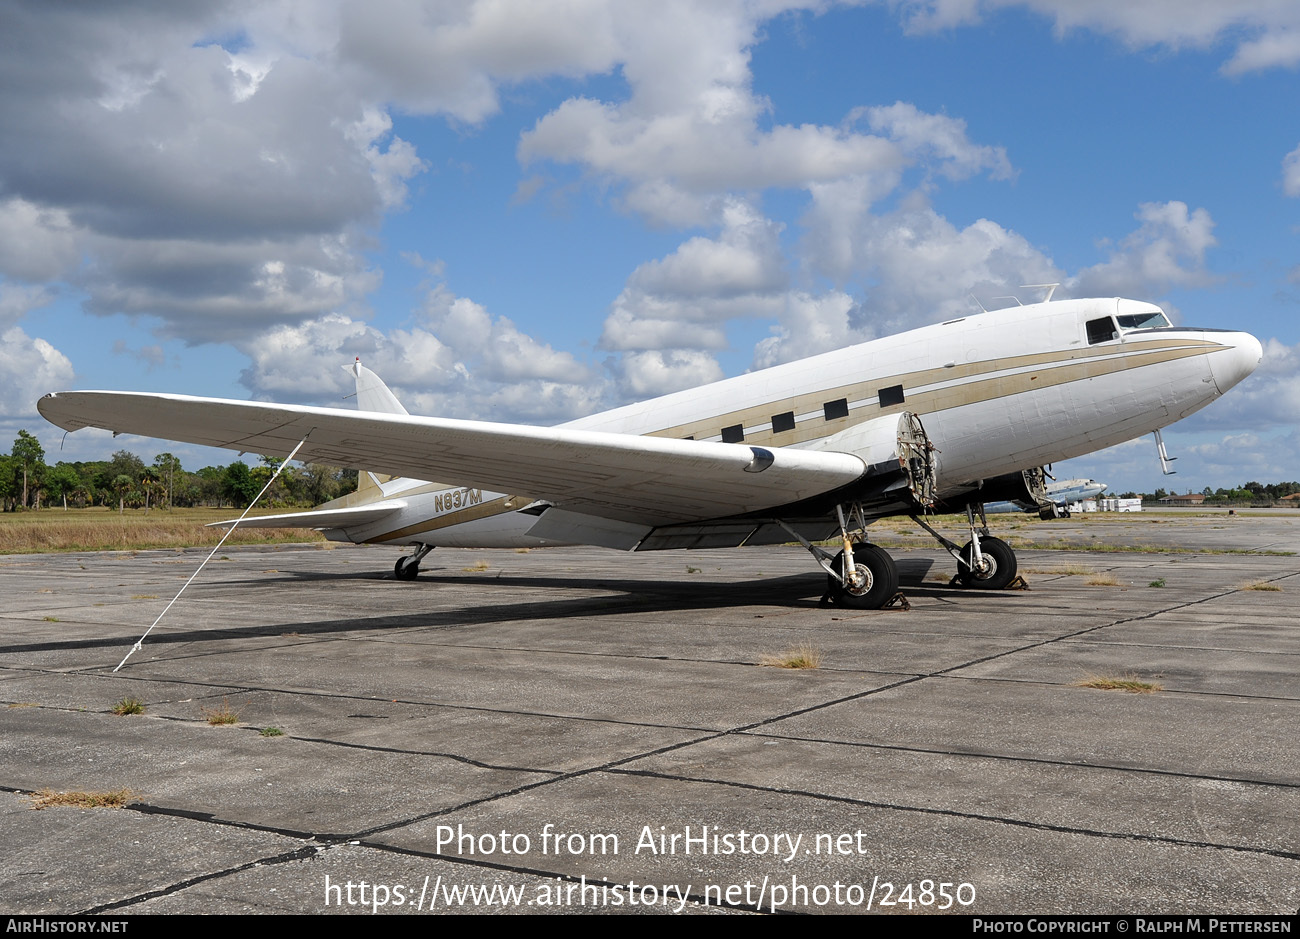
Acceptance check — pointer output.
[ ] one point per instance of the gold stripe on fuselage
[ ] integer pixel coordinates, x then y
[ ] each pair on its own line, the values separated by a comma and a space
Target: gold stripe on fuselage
481, 510
920, 398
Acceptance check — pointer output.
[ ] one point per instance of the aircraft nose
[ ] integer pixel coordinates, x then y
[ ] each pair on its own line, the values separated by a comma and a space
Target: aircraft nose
1234, 363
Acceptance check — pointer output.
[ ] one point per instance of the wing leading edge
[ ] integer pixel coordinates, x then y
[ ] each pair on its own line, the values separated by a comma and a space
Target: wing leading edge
642, 480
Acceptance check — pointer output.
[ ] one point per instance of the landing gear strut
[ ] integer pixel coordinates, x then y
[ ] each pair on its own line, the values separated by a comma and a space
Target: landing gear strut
986, 563
862, 576
408, 566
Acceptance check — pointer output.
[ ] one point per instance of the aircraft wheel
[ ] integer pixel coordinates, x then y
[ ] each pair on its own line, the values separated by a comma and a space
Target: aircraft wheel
405, 569
999, 565
876, 579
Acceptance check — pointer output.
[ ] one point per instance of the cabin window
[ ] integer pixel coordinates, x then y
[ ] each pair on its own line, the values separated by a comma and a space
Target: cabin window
836, 409
733, 434
891, 396
1101, 330
782, 422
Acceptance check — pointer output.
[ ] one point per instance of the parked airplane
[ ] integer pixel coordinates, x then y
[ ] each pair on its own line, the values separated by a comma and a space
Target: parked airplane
1059, 494
938, 419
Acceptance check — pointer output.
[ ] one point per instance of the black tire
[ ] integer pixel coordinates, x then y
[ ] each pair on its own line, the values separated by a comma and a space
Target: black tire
881, 579
404, 569
999, 565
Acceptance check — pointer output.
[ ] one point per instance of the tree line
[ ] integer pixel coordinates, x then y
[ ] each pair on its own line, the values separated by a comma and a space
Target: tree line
1251, 493
126, 482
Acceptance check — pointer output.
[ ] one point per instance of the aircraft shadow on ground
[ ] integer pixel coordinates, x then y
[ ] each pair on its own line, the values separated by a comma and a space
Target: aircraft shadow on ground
633, 597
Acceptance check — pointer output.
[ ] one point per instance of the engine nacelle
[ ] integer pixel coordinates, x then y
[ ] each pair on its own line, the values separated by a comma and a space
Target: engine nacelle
1028, 487
890, 444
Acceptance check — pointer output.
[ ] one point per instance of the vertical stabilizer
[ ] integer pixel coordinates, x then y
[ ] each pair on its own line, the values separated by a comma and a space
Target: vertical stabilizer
372, 393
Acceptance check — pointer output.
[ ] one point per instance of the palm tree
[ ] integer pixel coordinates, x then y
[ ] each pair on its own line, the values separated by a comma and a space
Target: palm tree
122, 484
150, 482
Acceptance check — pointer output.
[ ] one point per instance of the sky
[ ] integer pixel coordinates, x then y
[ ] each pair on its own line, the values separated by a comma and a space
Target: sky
529, 211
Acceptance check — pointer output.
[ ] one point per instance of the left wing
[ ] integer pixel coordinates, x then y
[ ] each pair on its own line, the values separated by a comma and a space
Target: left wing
643, 480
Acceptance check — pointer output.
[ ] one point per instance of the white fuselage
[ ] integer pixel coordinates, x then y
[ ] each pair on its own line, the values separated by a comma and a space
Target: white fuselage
997, 393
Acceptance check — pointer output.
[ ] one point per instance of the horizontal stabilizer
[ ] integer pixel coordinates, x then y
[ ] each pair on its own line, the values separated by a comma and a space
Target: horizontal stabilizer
324, 518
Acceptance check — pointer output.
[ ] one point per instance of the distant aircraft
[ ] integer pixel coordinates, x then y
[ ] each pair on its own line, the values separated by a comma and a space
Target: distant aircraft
938, 419
1059, 494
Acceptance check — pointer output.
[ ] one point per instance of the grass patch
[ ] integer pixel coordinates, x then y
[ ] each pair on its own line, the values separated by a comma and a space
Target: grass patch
476, 567
270, 732
144, 596
24, 704
113, 799
1157, 583
1077, 570
1129, 683
1260, 585
128, 706
102, 529
1102, 580
1102, 547
804, 656
220, 715
51, 619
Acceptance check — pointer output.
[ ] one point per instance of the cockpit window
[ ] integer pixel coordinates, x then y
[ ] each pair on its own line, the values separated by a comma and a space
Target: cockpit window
1101, 330
1154, 320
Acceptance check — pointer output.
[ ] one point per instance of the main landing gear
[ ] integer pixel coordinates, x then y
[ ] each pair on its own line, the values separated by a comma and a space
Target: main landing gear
861, 576
408, 566
986, 563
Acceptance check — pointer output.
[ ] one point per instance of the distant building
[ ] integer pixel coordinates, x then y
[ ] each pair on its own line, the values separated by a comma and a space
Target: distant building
1191, 498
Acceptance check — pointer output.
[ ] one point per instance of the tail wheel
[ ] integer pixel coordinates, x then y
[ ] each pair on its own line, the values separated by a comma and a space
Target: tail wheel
997, 567
873, 581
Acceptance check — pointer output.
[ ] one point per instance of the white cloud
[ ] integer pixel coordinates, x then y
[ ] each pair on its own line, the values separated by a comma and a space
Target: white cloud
1273, 49
915, 266
684, 300
307, 361
810, 325
676, 162
939, 138
29, 368
650, 373
17, 301
389, 168
457, 361
450, 56
692, 127
1267, 32
36, 243
221, 292
166, 176
1167, 250
1291, 173
494, 348
745, 259
1234, 459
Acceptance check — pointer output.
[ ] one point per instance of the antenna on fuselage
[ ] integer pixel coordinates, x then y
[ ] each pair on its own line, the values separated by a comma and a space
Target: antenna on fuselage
978, 304
1050, 288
